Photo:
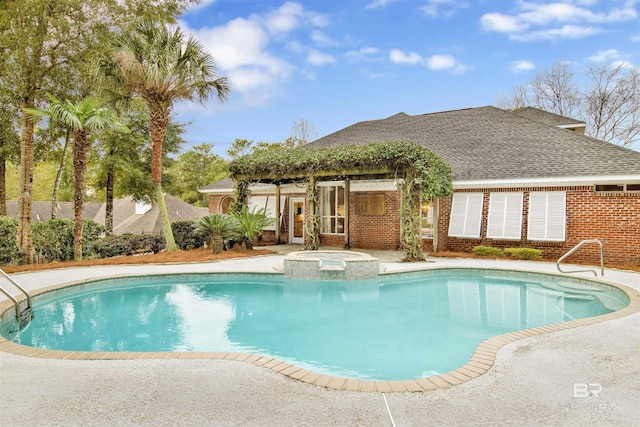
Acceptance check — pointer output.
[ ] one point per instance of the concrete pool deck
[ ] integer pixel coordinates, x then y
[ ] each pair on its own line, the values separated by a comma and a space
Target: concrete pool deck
532, 381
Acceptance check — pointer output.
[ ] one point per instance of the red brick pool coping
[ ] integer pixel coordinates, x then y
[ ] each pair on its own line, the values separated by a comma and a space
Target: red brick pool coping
480, 362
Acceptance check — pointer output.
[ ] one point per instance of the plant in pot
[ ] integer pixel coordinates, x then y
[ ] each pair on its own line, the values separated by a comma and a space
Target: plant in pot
251, 222
219, 227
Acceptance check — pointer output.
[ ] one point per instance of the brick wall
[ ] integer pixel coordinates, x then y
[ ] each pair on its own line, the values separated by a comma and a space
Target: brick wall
376, 231
612, 218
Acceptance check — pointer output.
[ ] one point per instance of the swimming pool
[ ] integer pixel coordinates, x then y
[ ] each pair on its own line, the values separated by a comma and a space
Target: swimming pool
397, 327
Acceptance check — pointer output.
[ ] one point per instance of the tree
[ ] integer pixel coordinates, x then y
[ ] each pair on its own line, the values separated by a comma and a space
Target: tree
155, 62
609, 104
48, 43
302, 132
124, 160
80, 118
194, 169
612, 104
9, 143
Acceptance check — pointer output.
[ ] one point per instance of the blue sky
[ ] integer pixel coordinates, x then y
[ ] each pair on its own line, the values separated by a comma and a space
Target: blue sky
336, 62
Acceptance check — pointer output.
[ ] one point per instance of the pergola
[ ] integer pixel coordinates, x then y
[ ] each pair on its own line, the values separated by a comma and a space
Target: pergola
418, 172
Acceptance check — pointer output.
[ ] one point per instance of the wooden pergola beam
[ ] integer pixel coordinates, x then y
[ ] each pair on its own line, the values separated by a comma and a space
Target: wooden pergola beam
352, 173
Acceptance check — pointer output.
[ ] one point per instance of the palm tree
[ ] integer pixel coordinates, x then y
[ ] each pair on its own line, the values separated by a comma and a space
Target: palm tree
251, 222
155, 62
219, 227
89, 114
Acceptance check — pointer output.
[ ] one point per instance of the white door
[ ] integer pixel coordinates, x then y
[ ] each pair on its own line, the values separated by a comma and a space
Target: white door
296, 220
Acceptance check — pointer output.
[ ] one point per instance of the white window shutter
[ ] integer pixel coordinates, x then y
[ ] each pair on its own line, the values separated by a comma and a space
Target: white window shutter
505, 216
547, 216
466, 215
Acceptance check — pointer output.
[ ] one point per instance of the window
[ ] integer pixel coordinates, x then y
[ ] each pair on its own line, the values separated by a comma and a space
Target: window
466, 215
547, 217
268, 203
617, 188
332, 209
426, 218
225, 204
505, 216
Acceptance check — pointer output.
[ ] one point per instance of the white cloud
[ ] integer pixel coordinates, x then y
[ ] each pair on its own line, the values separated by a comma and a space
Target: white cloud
377, 4
318, 58
240, 51
565, 32
365, 54
435, 8
399, 57
441, 62
605, 55
622, 63
557, 19
434, 62
321, 39
201, 5
522, 66
635, 39
286, 18
502, 23
243, 49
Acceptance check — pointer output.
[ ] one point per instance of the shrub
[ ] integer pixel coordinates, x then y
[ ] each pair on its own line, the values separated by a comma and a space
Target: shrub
488, 251
53, 238
525, 253
129, 244
8, 240
187, 235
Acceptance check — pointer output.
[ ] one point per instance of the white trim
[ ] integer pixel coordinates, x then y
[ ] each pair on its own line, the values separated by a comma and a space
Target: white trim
546, 182
292, 202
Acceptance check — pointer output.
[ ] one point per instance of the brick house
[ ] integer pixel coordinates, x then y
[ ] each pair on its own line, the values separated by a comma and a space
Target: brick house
521, 179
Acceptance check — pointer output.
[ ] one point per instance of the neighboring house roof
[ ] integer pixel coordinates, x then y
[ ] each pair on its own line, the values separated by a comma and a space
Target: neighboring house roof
551, 119
488, 143
41, 211
125, 218
223, 184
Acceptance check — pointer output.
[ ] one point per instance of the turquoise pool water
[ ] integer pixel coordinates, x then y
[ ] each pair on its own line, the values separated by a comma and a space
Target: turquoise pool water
401, 326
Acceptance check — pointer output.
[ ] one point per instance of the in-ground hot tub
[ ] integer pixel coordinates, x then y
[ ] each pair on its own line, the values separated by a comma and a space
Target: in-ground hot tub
331, 265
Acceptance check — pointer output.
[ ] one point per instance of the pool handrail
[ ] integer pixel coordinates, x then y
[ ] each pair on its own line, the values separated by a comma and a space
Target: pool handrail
575, 248
19, 314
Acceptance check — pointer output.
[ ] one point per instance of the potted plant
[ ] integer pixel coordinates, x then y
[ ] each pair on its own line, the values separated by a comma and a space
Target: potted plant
219, 227
251, 223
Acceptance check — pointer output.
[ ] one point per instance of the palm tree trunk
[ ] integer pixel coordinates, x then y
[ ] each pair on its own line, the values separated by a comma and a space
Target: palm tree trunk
79, 170
108, 214
164, 214
25, 195
56, 185
159, 120
3, 187
216, 243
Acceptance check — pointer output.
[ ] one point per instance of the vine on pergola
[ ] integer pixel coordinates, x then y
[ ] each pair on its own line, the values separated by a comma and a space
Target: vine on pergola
419, 171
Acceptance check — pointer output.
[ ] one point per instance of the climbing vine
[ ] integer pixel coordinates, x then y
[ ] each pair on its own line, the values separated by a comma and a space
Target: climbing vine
241, 196
410, 239
422, 174
312, 221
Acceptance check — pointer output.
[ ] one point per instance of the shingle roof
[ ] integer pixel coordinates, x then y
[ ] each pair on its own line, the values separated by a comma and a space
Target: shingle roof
41, 210
487, 143
125, 219
543, 116
223, 184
